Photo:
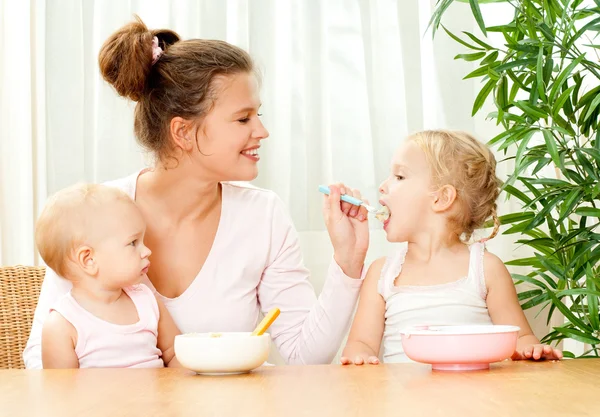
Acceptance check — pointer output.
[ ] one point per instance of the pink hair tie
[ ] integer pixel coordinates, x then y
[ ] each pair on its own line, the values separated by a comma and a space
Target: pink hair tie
156, 50
485, 239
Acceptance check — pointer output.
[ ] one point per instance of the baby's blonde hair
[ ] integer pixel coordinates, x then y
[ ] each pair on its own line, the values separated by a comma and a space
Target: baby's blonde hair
458, 159
66, 219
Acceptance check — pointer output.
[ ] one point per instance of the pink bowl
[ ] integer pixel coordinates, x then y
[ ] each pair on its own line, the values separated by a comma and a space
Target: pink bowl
460, 348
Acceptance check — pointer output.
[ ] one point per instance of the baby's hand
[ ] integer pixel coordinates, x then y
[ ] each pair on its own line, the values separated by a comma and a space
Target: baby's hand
360, 360
536, 353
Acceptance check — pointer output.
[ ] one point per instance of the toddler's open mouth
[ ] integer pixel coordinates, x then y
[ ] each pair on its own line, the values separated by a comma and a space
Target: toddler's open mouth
383, 214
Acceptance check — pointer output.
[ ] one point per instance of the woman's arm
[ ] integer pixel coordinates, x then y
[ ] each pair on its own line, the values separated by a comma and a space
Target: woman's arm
308, 330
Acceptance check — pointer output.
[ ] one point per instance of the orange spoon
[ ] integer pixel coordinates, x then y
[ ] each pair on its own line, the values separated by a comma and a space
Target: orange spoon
266, 322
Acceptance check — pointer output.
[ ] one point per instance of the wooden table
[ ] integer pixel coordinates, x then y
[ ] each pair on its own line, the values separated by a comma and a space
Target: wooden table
567, 388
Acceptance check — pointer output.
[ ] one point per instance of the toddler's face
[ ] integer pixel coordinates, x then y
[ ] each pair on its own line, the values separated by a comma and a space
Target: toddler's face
119, 249
407, 192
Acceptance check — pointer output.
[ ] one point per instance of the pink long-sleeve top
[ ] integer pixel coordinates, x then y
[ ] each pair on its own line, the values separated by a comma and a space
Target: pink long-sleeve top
255, 264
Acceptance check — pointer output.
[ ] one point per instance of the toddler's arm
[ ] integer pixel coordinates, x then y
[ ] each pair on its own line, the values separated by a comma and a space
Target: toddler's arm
167, 330
367, 329
59, 339
504, 308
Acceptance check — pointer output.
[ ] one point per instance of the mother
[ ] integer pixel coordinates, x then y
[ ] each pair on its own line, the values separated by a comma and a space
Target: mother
221, 252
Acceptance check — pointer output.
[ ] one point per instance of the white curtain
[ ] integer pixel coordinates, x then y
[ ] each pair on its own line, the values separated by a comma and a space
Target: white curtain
344, 81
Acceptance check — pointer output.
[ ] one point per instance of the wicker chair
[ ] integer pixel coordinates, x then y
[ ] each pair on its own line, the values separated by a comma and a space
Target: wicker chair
19, 290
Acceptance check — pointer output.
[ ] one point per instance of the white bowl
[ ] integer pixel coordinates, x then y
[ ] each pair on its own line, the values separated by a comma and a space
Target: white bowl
222, 353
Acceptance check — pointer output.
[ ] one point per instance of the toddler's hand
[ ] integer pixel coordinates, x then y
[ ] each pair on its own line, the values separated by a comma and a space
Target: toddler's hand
360, 360
536, 353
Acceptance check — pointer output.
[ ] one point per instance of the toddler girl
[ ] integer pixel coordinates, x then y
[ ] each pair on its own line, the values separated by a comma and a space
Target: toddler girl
442, 187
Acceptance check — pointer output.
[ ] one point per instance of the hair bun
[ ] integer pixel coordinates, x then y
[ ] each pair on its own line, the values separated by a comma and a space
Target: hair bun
125, 59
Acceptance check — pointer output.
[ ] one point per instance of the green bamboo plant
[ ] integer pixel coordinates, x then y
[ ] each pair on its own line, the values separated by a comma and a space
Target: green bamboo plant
544, 82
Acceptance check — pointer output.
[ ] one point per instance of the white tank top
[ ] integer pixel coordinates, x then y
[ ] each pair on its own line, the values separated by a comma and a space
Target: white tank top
453, 303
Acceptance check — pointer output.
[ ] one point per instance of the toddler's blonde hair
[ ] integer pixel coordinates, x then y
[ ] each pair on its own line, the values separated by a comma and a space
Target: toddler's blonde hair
458, 159
66, 219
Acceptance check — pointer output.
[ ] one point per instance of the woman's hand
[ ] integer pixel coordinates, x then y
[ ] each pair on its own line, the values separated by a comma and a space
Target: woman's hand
348, 229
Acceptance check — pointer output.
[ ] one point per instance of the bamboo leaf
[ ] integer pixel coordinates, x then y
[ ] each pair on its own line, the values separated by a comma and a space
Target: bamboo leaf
524, 295
483, 94
546, 31
540, 73
542, 298
541, 244
542, 215
594, 153
584, 252
513, 177
552, 148
502, 93
551, 182
479, 72
592, 107
580, 32
563, 77
519, 228
592, 298
532, 261
542, 163
437, 14
578, 82
533, 112
491, 58
528, 279
551, 311
470, 57
588, 97
462, 42
511, 27
553, 336
531, 188
587, 166
573, 176
564, 125
551, 282
493, 74
517, 63
561, 100
522, 148
478, 17
507, 134
588, 211
511, 218
517, 193
551, 266
577, 291
567, 312
565, 239
570, 202
592, 258
578, 335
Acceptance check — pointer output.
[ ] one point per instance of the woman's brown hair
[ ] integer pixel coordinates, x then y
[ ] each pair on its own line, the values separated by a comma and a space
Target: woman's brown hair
180, 83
